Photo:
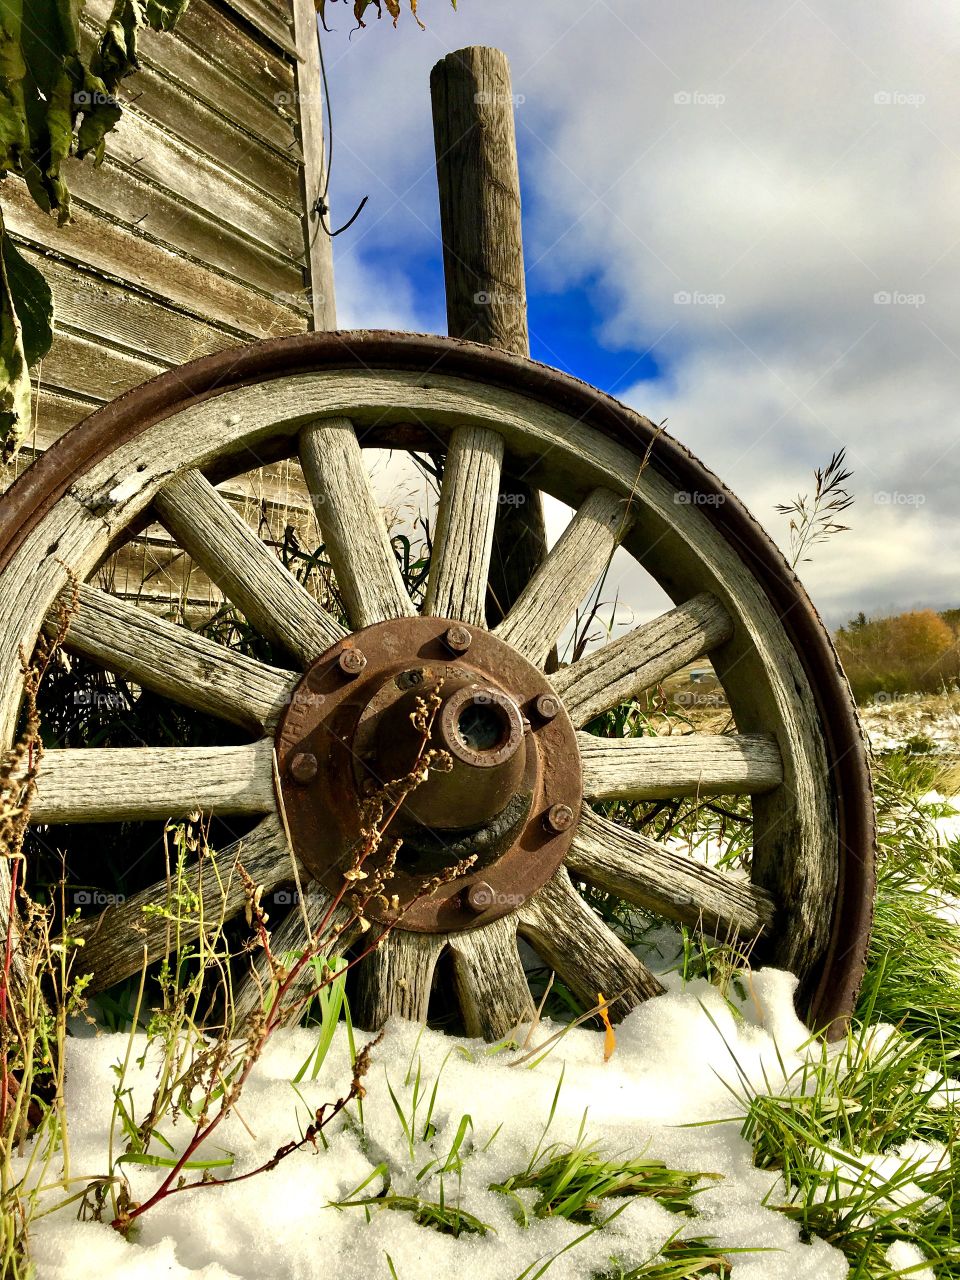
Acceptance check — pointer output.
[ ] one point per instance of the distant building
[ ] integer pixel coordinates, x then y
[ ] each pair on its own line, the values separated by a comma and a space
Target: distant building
700, 675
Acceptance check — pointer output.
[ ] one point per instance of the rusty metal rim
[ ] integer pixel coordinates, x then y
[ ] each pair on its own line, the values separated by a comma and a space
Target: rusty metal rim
49, 478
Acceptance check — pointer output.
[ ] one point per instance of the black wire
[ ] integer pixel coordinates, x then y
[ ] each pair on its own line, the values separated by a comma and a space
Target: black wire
322, 207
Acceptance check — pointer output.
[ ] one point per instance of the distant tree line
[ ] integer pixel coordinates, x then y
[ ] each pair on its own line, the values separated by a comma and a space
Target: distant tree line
916, 652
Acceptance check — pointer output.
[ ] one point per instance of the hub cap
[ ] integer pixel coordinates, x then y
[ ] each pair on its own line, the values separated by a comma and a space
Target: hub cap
510, 798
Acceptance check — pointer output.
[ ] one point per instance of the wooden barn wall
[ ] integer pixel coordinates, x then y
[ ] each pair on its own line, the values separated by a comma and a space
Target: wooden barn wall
196, 234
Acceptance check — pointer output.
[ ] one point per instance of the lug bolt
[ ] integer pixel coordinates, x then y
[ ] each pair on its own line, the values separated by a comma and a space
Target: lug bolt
458, 639
479, 897
558, 818
351, 662
303, 767
548, 705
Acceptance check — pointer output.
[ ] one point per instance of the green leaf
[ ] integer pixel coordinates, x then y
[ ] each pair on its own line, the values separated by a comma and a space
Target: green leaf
34, 302
26, 313
14, 138
169, 1162
163, 15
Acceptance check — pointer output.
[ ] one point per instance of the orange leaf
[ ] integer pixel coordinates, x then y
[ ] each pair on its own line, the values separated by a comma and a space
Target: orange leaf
609, 1039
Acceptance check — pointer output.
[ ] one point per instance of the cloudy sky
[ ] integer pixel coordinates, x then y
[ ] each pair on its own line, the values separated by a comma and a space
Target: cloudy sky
792, 168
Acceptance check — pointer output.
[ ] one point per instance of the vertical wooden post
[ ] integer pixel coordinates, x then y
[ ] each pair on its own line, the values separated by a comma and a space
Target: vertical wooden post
319, 249
479, 184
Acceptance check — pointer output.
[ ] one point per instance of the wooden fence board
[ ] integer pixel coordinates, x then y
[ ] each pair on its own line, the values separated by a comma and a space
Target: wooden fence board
196, 234
120, 253
272, 170
270, 118
205, 26
91, 306
166, 219
143, 147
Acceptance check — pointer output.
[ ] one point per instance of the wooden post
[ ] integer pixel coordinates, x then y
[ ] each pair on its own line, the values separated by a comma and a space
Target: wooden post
483, 265
319, 248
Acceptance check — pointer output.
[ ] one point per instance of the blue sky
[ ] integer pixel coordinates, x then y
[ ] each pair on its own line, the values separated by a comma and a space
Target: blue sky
794, 165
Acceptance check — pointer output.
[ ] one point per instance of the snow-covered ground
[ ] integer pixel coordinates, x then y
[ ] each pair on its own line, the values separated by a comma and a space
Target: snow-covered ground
893, 721
680, 1061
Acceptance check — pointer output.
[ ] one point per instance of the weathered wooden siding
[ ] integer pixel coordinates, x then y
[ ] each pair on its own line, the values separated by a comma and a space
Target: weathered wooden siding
196, 233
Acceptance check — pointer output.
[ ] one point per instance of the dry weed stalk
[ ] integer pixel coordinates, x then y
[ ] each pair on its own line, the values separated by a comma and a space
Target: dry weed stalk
221, 1063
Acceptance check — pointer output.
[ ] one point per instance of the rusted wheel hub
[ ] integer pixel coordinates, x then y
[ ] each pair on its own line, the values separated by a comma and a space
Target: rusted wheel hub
509, 799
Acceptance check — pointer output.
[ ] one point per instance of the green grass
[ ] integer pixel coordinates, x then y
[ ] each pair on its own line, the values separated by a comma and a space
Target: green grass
573, 1183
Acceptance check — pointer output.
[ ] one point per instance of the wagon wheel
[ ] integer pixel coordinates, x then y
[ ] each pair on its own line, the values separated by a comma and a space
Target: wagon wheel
523, 767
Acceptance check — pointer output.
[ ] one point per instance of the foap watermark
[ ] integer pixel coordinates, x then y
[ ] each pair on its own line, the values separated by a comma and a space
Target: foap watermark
511, 499
103, 700
303, 697
693, 498
301, 298
97, 898
699, 698
94, 98
686, 298
498, 298
894, 498
698, 98
293, 898
897, 298
484, 896
486, 98
897, 98
291, 97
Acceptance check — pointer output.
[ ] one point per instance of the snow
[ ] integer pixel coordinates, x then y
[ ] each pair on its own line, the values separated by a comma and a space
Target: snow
946, 814
673, 1090
893, 721
904, 1256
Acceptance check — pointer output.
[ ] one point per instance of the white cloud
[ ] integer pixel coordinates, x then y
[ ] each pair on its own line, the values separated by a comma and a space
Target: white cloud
784, 165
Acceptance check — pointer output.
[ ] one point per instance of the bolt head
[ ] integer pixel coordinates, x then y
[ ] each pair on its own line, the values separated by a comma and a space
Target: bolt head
304, 767
458, 639
479, 897
351, 662
558, 818
548, 706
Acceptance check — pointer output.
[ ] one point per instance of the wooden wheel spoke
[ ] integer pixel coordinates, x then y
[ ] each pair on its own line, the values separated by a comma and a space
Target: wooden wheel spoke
175, 661
287, 943
466, 518
395, 978
232, 554
551, 597
637, 661
587, 956
491, 984
115, 940
135, 784
667, 882
352, 524
687, 764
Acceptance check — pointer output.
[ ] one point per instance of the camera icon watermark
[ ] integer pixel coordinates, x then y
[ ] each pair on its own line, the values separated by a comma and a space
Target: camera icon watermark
697, 98
897, 98
894, 498
896, 298
97, 898
102, 699
883, 699
692, 498
688, 298
497, 298
301, 297
485, 98
700, 698
94, 98
484, 896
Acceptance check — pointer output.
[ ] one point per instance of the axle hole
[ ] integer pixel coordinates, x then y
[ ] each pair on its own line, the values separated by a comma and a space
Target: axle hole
482, 726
